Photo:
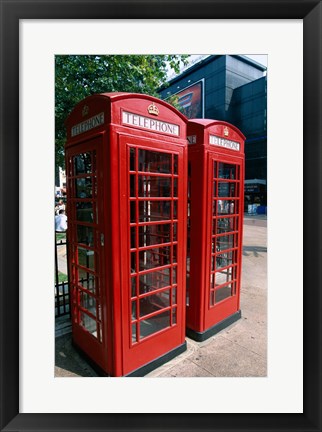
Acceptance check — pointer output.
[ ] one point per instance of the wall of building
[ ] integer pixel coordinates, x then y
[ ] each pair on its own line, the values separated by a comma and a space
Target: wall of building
235, 90
221, 75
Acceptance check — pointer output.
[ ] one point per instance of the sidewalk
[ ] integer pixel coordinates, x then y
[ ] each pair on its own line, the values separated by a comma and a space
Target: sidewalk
240, 350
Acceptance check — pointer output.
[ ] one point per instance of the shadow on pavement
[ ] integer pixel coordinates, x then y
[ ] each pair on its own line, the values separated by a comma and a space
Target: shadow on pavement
254, 249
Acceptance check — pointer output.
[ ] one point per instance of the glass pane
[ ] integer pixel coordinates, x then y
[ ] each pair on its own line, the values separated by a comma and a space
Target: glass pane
224, 276
175, 187
88, 323
86, 280
133, 185
227, 171
134, 315
224, 259
154, 234
154, 210
174, 257
174, 296
154, 280
132, 159
226, 189
134, 338
88, 302
224, 242
225, 207
223, 225
174, 232
133, 237
133, 262
132, 211
152, 161
84, 212
175, 164
174, 275
154, 302
175, 209
222, 293
133, 286
155, 324
174, 316
156, 257
84, 187
83, 163
154, 186
86, 258
212, 298
85, 235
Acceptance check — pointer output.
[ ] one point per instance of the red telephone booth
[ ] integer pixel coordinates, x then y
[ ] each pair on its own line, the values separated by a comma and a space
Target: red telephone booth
215, 222
126, 165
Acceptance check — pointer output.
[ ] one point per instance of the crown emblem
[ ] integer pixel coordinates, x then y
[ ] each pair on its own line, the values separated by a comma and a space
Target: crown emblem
85, 110
153, 109
226, 131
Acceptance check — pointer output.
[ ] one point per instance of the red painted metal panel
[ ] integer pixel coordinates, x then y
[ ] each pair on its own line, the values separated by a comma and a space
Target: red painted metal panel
138, 262
216, 157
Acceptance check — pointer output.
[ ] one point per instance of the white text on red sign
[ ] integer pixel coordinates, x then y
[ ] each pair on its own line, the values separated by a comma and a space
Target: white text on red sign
149, 123
222, 142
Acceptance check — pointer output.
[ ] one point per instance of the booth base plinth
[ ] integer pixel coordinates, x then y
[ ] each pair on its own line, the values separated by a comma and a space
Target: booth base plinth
211, 331
154, 364
140, 372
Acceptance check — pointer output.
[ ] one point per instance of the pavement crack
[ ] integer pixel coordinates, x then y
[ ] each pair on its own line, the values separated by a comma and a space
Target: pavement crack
243, 347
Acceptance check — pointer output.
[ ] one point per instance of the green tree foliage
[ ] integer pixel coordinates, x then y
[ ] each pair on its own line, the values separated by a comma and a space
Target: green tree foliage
78, 76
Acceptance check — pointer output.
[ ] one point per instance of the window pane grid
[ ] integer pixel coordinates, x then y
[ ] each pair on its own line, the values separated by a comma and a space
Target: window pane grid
82, 191
224, 234
153, 200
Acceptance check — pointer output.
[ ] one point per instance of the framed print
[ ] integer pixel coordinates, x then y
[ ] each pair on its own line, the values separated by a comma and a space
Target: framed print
32, 33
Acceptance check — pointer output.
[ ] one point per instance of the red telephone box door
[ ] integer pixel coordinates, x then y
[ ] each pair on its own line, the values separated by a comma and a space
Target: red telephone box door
225, 209
85, 247
152, 179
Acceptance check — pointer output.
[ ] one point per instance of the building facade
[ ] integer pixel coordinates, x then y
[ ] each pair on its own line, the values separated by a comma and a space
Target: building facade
232, 88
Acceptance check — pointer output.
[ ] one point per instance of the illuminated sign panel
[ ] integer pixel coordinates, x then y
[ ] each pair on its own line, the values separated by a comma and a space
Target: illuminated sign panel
222, 142
149, 123
88, 124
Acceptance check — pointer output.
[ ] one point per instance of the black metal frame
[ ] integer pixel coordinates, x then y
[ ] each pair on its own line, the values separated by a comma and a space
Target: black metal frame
62, 298
11, 12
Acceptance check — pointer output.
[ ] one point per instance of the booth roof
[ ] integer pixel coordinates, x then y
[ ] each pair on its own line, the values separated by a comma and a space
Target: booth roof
210, 122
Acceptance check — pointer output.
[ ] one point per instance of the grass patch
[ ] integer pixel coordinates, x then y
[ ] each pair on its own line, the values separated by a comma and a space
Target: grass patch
62, 277
60, 236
